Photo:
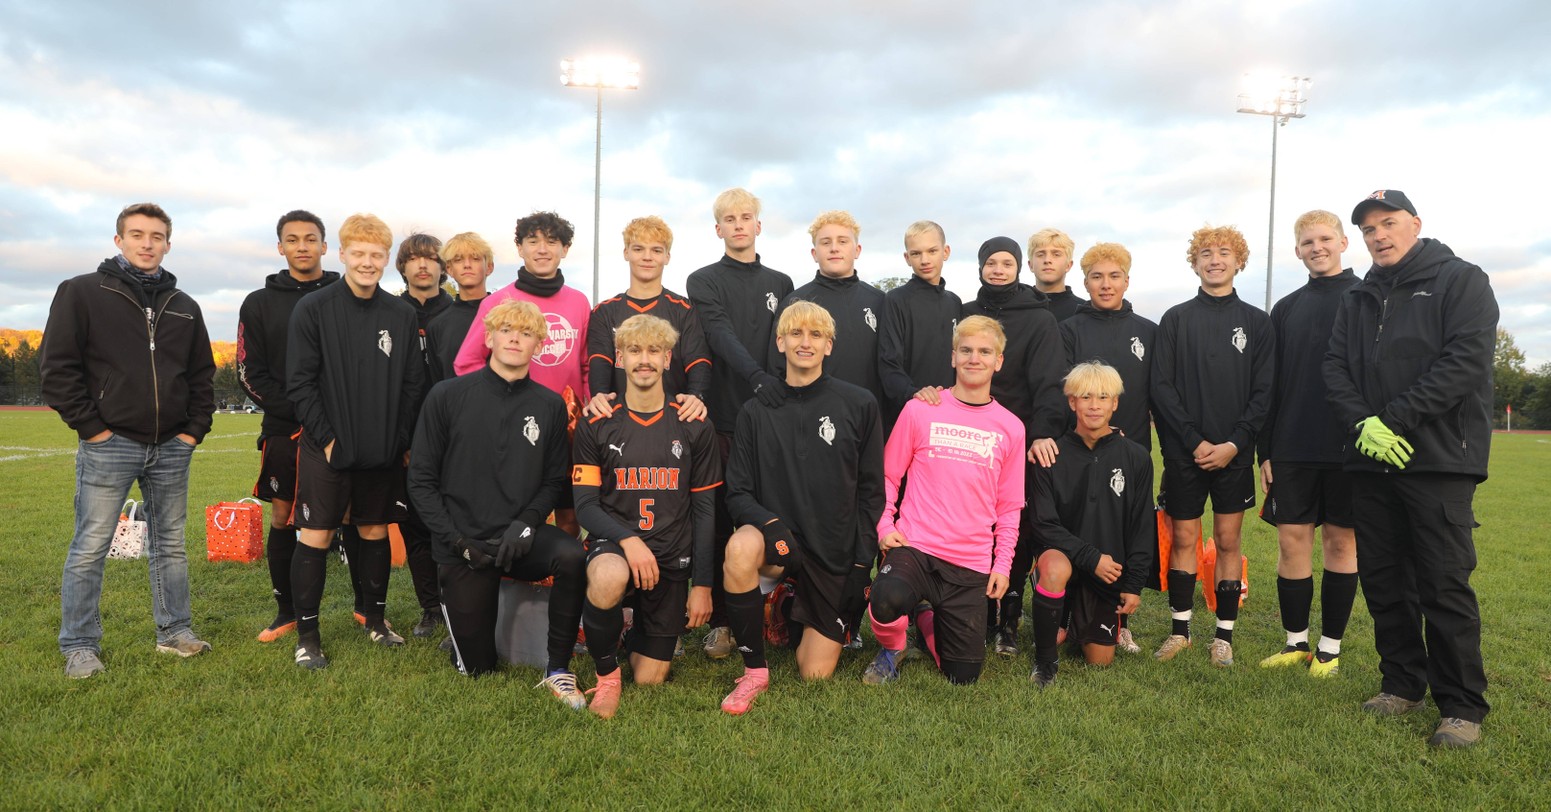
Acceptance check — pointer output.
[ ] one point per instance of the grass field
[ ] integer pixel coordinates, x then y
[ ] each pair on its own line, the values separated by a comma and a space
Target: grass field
243, 728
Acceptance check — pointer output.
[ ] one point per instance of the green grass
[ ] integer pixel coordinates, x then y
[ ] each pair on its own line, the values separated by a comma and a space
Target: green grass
242, 727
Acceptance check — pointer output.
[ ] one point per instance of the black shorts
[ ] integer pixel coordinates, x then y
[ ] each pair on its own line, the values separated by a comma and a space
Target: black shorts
1232, 489
325, 497
660, 612
817, 602
1094, 606
957, 595
277, 468
1307, 494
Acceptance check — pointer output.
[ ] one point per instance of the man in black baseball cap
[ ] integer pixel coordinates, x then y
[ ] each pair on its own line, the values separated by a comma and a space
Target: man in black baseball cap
1410, 370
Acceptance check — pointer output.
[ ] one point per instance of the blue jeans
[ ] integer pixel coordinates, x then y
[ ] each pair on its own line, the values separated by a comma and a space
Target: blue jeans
103, 473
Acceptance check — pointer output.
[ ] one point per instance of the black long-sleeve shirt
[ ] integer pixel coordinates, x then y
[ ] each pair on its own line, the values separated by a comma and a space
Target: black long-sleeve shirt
1123, 340
858, 310
444, 336
1095, 502
915, 341
689, 371
355, 373
1064, 304
1213, 364
262, 323
1029, 383
816, 463
486, 453
736, 303
1300, 425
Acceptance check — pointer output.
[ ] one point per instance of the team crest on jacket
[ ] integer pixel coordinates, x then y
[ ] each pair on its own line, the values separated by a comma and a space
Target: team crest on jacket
530, 430
1117, 481
1239, 340
770, 300
678, 450
872, 321
1137, 349
385, 343
826, 430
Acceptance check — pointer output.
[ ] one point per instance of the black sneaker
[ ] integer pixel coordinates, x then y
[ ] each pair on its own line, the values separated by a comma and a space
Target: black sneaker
382, 634
429, 620
1007, 642
1044, 675
309, 654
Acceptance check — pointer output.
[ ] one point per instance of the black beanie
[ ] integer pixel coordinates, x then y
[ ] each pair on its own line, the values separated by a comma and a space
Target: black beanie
996, 244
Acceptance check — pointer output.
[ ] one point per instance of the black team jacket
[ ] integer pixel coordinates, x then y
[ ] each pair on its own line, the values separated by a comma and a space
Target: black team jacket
1413, 344
1065, 304
816, 463
1098, 501
262, 324
444, 336
1300, 426
915, 340
1029, 384
1213, 368
355, 374
425, 313
689, 371
858, 310
1123, 340
487, 453
736, 303
127, 353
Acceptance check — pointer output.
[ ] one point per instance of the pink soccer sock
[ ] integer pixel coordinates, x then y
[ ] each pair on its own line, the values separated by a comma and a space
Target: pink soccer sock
926, 625
890, 635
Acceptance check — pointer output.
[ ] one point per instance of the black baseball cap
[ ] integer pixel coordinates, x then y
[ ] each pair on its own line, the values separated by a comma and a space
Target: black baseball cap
1392, 199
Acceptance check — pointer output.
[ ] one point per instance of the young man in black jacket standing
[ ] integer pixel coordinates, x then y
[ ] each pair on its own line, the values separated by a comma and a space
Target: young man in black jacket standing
355, 374
1302, 437
489, 465
1051, 254
735, 299
1410, 370
126, 362
915, 341
1213, 368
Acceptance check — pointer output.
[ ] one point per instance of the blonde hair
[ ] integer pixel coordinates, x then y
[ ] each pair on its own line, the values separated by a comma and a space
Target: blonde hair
645, 330
468, 243
1318, 217
1093, 378
650, 229
805, 316
1051, 236
980, 326
517, 315
1227, 236
734, 199
1107, 252
920, 227
834, 218
367, 228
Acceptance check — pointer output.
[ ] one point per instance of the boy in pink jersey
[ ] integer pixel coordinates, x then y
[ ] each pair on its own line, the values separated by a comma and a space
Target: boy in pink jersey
951, 543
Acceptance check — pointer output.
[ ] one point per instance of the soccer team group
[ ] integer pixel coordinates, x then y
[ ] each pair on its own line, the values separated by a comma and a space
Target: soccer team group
786, 464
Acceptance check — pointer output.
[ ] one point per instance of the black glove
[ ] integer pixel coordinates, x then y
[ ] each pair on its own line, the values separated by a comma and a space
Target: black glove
512, 545
768, 389
780, 543
473, 553
853, 596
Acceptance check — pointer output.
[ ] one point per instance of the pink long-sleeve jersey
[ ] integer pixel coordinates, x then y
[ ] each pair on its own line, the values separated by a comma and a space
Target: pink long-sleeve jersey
561, 362
966, 482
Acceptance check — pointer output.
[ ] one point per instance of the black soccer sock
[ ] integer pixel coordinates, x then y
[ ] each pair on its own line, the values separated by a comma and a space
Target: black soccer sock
746, 617
350, 542
1046, 614
309, 566
1295, 596
376, 562
1182, 599
280, 548
1228, 593
1336, 594
603, 627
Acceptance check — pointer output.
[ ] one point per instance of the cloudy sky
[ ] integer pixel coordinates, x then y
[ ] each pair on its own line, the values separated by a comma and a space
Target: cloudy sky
1111, 120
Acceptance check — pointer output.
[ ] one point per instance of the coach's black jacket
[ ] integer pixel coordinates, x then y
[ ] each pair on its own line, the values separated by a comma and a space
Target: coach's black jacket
355, 374
1300, 425
262, 322
1029, 384
915, 341
857, 308
486, 453
122, 353
1098, 501
736, 303
1212, 370
1413, 344
816, 463
1125, 341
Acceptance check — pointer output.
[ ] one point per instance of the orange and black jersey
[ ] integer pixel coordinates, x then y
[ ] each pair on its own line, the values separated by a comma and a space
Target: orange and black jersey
689, 372
650, 475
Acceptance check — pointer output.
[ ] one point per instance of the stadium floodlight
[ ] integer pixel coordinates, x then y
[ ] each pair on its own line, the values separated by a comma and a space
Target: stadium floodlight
599, 73
1282, 98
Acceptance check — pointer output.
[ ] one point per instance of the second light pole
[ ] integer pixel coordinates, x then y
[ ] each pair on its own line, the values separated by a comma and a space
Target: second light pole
599, 72
1281, 98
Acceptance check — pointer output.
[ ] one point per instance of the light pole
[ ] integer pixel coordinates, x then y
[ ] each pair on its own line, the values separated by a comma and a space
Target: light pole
1281, 98
599, 72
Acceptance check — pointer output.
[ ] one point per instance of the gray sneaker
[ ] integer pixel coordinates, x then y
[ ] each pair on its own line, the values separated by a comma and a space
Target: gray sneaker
82, 663
183, 644
1390, 705
719, 643
1455, 732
